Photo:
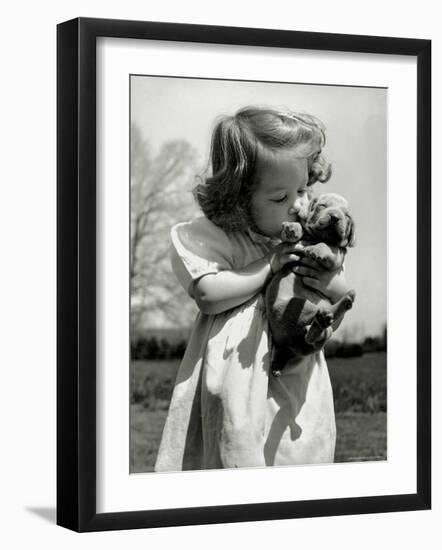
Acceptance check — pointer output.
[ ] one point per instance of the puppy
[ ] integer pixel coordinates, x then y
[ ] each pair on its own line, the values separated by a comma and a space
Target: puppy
300, 318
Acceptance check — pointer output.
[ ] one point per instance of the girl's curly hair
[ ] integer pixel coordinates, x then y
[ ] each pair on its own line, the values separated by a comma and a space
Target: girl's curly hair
237, 143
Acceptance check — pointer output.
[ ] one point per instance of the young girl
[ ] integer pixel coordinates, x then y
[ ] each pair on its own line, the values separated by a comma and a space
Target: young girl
227, 411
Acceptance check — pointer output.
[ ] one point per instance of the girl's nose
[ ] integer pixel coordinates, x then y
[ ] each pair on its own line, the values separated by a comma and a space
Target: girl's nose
294, 210
299, 207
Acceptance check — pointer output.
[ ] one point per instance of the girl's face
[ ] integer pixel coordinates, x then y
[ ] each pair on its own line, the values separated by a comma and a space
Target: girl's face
281, 192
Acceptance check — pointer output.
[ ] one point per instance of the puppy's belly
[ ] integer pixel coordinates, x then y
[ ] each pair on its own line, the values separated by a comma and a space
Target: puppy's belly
290, 307
285, 285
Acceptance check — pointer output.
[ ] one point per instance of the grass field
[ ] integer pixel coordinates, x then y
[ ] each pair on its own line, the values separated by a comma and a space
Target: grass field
359, 387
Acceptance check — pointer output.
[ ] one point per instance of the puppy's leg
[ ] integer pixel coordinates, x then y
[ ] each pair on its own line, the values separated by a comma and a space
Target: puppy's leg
344, 304
279, 360
318, 329
317, 336
326, 316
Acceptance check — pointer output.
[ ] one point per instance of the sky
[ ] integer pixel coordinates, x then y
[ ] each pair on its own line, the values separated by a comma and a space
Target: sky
356, 128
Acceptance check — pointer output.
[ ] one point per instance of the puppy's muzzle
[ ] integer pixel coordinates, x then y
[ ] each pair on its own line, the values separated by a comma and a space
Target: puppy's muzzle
329, 219
332, 226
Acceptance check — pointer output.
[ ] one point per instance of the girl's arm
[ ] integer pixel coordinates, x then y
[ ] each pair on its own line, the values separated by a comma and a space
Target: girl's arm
218, 292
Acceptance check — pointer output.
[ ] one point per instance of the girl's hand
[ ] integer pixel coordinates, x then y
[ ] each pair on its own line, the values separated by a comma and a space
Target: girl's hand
281, 255
332, 284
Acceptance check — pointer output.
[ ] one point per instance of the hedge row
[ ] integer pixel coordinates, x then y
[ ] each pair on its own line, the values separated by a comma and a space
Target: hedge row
349, 395
160, 348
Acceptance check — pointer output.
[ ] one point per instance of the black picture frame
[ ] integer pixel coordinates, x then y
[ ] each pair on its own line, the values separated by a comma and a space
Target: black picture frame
77, 287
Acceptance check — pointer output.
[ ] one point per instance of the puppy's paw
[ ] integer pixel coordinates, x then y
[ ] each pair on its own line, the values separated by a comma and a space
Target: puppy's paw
320, 252
344, 304
324, 318
348, 299
291, 232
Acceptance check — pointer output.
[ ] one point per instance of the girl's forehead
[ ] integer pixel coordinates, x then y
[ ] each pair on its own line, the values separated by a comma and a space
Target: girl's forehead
281, 161
281, 171
302, 151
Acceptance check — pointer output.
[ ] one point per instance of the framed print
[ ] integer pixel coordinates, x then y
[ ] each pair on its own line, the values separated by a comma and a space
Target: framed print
243, 274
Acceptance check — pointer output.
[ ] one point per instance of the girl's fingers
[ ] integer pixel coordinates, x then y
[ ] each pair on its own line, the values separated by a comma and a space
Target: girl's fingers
290, 248
304, 271
293, 258
288, 258
309, 262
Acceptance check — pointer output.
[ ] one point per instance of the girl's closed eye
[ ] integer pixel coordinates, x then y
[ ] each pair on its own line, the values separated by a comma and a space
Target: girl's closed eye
281, 199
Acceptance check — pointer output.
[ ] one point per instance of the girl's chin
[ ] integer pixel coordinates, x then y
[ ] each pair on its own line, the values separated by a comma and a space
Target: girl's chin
269, 233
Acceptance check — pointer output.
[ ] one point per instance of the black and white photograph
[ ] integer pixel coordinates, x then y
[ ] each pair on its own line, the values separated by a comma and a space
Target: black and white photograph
258, 274
219, 235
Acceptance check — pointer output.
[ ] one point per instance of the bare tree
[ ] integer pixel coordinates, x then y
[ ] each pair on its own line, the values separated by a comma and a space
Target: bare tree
160, 196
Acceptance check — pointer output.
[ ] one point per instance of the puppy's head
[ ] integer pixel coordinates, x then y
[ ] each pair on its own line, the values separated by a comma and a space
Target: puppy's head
329, 220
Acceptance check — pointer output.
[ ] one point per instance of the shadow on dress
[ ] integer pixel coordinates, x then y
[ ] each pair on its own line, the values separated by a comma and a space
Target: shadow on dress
289, 410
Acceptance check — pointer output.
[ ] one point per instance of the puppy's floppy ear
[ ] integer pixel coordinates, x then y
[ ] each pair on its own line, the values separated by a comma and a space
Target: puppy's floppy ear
313, 204
351, 241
